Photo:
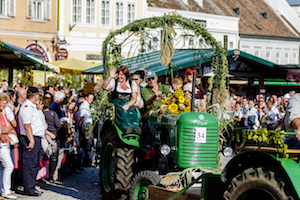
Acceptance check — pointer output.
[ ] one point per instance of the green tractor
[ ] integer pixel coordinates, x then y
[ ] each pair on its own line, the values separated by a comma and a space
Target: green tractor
130, 163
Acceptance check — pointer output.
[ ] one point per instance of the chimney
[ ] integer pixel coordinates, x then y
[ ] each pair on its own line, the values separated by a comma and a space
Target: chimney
199, 2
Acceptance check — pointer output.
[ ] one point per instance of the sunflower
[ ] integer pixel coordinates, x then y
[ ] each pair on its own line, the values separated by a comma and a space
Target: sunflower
173, 107
181, 99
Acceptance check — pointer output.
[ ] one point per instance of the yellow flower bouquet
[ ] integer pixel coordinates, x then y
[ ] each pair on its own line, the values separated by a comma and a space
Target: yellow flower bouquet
176, 103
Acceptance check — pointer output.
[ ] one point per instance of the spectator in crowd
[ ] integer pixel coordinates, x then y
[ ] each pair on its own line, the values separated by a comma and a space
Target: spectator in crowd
275, 100
292, 121
136, 77
238, 113
271, 115
88, 140
251, 117
238, 99
279, 101
9, 110
31, 130
7, 166
261, 101
53, 126
21, 96
49, 89
245, 106
3, 87
56, 104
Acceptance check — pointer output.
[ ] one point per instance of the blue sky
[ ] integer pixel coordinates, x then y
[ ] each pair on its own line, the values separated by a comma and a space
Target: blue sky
293, 1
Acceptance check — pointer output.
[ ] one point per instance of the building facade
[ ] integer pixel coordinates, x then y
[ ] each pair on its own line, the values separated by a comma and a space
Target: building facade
225, 29
30, 24
84, 24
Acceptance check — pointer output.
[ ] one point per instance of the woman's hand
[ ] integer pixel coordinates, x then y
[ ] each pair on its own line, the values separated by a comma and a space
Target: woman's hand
3, 138
126, 107
17, 109
113, 72
4, 129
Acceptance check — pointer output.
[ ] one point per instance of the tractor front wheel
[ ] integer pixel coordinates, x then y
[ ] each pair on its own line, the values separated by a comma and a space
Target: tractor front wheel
256, 184
141, 181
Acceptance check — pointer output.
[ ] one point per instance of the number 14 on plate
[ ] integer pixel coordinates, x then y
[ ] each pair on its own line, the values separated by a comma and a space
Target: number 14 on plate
200, 135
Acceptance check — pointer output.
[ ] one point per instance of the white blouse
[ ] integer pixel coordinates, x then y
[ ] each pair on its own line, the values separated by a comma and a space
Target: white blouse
119, 89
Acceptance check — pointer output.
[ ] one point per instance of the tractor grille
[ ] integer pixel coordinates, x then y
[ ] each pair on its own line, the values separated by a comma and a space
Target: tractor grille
198, 154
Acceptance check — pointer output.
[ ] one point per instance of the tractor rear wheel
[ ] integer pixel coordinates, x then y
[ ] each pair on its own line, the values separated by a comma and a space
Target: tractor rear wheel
256, 184
141, 181
115, 168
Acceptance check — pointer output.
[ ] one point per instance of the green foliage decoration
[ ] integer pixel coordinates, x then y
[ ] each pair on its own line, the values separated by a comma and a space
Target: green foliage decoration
264, 137
166, 23
3, 74
219, 59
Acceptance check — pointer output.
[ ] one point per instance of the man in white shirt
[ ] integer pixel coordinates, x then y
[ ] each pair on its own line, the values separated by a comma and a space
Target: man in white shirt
88, 140
31, 131
251, 117
271, 115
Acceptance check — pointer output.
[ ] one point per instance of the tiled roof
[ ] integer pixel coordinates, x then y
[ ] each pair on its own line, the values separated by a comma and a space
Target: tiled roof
176, 4
249, 14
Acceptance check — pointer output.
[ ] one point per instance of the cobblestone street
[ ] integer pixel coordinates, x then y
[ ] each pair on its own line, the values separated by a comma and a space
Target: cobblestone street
77, 186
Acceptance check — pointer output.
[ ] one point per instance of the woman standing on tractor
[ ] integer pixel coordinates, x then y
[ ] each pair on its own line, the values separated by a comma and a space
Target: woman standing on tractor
124, 96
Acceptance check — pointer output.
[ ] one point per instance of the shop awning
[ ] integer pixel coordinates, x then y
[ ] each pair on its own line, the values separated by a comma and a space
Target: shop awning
183, 58
73, 64
18, 58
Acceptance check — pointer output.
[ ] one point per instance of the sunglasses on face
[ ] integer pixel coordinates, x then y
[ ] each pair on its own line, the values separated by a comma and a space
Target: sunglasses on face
135, 79
151, 78
190, 74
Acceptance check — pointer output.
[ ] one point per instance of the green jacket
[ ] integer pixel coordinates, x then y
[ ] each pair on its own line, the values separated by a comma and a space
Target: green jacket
155, 102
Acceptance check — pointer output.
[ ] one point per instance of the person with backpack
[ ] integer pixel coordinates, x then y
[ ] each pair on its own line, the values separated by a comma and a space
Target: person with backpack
124, 97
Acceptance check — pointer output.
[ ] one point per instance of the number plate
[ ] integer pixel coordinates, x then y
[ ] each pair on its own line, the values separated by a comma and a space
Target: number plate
200, 135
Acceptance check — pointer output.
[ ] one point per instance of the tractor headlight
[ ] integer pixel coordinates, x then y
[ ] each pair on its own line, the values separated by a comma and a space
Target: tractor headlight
228, 151
165, 149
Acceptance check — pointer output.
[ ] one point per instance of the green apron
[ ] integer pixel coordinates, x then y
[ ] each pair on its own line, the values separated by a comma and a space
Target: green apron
126, 118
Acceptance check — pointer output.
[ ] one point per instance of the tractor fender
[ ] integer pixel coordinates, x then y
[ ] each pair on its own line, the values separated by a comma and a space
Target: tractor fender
125, 142
286, 169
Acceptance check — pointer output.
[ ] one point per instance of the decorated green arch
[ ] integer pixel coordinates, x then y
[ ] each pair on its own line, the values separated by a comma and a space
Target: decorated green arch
141, 30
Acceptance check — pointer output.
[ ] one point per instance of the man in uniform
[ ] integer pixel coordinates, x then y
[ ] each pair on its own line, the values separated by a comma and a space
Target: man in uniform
31, 131
152, 92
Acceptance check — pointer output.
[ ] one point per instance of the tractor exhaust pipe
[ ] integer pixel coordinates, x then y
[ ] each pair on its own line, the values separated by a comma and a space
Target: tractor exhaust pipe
193, 92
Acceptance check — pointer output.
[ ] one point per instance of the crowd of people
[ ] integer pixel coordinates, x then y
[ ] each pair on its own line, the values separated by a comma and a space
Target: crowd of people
265, 112
43, 136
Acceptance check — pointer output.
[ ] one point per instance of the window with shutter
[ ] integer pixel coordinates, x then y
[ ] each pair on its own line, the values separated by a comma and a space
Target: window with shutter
130, 12
119, 14
29, 8
12, 8
105, 13
48, 9
90, 12
77, 11
3, 7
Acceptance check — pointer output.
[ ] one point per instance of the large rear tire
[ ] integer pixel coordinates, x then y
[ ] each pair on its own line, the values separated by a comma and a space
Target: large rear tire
115, 168
141, 181
256, 184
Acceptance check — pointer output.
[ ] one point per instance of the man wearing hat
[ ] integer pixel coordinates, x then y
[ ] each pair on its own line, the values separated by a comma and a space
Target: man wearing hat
153, 91
31, 131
